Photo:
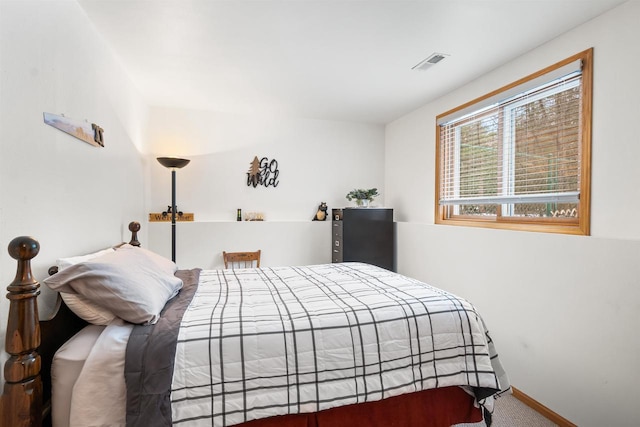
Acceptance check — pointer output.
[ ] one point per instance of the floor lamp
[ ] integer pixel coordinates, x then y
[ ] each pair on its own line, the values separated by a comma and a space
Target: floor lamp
173, 163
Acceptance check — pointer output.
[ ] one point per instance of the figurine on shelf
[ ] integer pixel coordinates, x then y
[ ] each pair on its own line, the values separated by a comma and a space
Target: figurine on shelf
168, 212
321, 214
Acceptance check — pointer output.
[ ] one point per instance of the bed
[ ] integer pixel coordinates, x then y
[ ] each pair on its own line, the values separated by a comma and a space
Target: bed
322, 345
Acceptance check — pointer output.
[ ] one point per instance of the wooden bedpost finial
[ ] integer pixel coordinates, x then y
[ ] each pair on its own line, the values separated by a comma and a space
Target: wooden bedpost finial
22, 394
23, 249
134, 227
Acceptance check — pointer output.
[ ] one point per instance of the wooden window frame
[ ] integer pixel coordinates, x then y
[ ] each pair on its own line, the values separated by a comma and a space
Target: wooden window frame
579, 226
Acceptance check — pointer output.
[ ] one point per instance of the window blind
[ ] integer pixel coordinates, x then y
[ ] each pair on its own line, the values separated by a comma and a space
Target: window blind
521, 149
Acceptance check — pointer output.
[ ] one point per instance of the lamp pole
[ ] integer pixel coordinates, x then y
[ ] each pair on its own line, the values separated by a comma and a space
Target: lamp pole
173, 163
173, 215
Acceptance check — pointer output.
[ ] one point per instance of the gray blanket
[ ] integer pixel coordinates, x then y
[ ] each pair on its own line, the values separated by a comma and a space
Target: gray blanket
150, 358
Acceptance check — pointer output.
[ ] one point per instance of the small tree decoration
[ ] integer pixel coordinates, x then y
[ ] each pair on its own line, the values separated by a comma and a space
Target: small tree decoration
362, 197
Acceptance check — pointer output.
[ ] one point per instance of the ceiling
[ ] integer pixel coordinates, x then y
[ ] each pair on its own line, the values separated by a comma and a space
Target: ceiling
347, 60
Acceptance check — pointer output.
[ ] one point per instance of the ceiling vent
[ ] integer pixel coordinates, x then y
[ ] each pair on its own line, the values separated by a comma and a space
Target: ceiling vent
430, 61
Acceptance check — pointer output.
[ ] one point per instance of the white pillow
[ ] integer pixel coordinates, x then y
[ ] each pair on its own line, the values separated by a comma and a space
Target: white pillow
165, 264
132, 283
68, 262
86, 310
82, 307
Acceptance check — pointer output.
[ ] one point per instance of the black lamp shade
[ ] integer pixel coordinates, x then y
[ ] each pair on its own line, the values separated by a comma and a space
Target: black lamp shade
173, 162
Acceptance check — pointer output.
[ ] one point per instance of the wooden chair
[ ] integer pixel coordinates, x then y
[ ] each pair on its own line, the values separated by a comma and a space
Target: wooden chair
241, 259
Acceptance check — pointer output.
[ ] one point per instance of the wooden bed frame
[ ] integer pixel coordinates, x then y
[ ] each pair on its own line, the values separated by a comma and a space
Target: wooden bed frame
32, 343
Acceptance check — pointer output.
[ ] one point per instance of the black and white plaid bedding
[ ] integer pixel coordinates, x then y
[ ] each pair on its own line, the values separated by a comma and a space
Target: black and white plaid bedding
261, 342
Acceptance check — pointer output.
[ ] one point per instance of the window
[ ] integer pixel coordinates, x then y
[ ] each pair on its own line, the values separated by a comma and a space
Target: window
519, 157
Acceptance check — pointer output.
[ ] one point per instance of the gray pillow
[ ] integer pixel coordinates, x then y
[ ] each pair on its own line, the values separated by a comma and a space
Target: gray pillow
132, 283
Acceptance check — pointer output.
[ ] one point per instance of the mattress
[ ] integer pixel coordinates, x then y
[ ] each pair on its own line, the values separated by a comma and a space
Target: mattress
65, 370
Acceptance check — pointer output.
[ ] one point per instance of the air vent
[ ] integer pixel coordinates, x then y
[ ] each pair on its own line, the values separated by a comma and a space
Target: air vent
430, 61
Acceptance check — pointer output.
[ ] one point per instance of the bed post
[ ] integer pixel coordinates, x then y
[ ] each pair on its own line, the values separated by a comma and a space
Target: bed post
134, 227
22, 393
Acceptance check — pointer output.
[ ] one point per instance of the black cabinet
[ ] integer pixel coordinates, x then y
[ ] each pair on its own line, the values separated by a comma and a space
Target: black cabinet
363, 235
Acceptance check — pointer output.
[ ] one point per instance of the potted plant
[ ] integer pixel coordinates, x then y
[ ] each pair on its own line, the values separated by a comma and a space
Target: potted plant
362, 197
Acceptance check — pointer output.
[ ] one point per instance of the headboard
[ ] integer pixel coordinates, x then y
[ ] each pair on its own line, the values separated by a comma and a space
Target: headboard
31, 344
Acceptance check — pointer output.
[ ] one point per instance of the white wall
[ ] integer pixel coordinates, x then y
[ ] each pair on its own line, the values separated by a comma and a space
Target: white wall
200, 244
319, 161
563, 310
72, 197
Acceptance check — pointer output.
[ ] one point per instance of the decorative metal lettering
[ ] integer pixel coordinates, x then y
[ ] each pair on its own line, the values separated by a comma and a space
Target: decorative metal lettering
263, 172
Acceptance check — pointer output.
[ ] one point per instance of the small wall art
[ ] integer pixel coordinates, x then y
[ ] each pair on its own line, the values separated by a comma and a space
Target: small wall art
90, 133
263, 172
166, 216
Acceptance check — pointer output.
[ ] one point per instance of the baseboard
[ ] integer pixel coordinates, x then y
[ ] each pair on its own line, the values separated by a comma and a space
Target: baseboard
541, 409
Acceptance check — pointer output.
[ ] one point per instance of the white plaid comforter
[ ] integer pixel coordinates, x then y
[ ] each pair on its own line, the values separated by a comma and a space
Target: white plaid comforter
262, 342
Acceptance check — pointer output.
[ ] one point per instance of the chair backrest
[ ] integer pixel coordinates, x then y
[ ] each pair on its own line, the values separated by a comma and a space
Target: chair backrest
241, 259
